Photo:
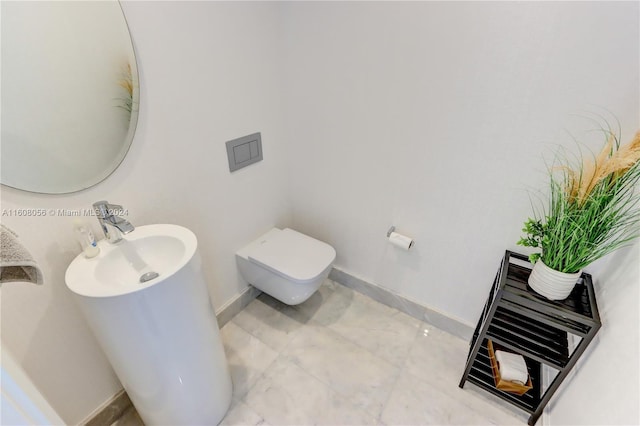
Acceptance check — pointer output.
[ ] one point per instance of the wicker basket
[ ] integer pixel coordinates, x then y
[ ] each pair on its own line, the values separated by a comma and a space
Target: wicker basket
505, 385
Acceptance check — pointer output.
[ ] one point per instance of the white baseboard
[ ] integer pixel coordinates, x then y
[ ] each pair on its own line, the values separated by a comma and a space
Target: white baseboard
235, 305
441, 320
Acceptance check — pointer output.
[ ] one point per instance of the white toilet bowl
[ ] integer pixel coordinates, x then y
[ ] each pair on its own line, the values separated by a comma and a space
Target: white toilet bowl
286, 264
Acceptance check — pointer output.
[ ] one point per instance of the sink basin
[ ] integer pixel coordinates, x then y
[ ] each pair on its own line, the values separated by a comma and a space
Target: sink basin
160, 332
164, 249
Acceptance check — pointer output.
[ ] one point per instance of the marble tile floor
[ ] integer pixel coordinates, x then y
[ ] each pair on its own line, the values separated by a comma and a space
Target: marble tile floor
129, 418
342, 358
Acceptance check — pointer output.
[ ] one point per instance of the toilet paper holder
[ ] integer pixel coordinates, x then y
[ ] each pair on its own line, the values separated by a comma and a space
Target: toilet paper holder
392, 229
401, 241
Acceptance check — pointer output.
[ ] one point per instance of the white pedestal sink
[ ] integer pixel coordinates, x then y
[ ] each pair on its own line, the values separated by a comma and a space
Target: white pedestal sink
161, 336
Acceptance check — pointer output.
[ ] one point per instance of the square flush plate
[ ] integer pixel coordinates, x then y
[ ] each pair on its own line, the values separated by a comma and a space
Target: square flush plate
244, 151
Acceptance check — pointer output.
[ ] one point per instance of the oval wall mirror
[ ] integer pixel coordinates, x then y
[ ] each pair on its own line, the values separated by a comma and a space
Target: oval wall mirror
70, 94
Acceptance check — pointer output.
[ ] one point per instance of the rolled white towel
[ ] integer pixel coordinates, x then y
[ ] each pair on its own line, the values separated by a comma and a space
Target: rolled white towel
16, 263
512, 367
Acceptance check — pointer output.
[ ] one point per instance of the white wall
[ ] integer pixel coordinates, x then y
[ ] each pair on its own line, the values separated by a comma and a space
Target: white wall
209, 73
434, 117
606, 385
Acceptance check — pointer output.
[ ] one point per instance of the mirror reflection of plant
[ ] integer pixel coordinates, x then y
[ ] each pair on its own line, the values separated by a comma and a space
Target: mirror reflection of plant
126, 82
592, 208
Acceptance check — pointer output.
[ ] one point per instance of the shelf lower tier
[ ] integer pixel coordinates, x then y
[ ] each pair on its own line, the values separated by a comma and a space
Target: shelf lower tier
530, 337
481, 375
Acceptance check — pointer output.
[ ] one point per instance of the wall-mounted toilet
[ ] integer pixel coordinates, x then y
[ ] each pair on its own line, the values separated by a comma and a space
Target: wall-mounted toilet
286, 264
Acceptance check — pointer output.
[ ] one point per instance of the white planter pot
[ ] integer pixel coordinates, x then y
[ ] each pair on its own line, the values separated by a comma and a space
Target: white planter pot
550, 283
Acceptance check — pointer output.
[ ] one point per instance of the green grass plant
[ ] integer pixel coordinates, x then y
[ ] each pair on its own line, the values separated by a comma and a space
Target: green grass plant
592, 208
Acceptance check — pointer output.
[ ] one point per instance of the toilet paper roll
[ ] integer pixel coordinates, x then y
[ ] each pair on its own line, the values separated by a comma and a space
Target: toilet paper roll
401, 241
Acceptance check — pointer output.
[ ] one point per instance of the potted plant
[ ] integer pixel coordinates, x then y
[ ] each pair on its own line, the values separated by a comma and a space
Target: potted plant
592, 210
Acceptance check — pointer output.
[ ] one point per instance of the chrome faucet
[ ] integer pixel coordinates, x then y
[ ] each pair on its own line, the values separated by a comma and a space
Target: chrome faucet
113, 226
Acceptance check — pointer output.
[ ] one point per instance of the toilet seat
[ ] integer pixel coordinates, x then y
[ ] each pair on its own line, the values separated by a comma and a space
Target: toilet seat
292, 255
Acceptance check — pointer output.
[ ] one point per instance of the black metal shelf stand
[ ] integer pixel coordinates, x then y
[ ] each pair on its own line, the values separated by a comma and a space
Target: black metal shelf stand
519, 320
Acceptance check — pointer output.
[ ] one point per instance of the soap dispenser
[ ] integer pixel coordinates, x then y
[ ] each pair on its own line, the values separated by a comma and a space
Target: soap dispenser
86, 239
